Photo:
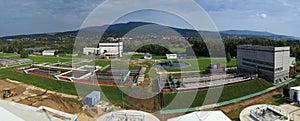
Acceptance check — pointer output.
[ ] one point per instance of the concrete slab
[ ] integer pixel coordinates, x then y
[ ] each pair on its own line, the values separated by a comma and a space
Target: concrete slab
293, 111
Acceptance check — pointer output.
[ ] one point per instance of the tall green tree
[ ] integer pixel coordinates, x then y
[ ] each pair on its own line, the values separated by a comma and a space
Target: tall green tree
228, 57
24, 54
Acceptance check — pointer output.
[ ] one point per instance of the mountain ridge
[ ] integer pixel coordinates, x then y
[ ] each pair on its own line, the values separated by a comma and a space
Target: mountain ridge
119, 29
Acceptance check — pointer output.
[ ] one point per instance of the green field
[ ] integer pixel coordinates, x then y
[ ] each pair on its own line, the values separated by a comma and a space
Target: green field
9, 55
38, 58
229, 92
43, 59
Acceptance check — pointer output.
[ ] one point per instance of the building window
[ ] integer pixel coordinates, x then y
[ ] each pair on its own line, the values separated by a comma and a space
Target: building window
259, 67
258, 61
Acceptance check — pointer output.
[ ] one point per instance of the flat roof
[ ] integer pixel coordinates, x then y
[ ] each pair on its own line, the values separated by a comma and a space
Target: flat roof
260, 47
8, 116
49, 51
202, 116
20, 112
295, 88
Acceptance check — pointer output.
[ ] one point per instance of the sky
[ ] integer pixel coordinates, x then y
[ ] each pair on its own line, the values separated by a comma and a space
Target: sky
39, 16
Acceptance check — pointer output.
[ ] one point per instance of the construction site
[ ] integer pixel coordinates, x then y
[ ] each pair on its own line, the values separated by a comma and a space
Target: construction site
22, 99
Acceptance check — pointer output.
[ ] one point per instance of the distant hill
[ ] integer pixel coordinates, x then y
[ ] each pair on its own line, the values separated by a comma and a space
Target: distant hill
248, 33
148, 29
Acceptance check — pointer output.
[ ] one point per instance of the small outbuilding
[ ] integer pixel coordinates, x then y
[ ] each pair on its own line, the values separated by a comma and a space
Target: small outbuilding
171, 56
147, 56
295, 94
49, 52
182, 55
92, 98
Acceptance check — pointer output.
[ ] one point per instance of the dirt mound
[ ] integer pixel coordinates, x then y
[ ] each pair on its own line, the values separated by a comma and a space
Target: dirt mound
32, 96
14, 87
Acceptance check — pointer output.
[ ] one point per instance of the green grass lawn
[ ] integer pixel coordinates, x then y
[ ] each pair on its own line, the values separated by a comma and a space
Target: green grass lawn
38, 58
44, 59
229, 92
111, 92
10, 55
235, 114
295, 83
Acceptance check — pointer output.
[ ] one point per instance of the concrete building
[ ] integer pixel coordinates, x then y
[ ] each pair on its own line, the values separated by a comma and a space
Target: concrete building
91, 51
272, 63
105, 49
49, 52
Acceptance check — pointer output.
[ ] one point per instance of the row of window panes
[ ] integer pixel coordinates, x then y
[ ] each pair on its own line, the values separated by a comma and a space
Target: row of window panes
258, 62
259, 67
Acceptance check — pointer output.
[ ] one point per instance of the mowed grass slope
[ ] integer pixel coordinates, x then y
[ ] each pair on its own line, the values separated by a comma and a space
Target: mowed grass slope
111, 92
229, 92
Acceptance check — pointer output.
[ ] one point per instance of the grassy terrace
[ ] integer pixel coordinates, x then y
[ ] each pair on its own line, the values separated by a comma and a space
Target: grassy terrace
229, 92
111, 92
275, 100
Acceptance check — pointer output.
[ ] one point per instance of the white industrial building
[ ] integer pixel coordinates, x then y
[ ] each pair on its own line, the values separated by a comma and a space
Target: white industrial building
202, 116
272, 63
49, 52
105, 49
171, 56
91, 50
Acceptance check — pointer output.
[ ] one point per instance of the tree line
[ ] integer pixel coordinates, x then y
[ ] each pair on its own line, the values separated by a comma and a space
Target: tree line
197, 45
